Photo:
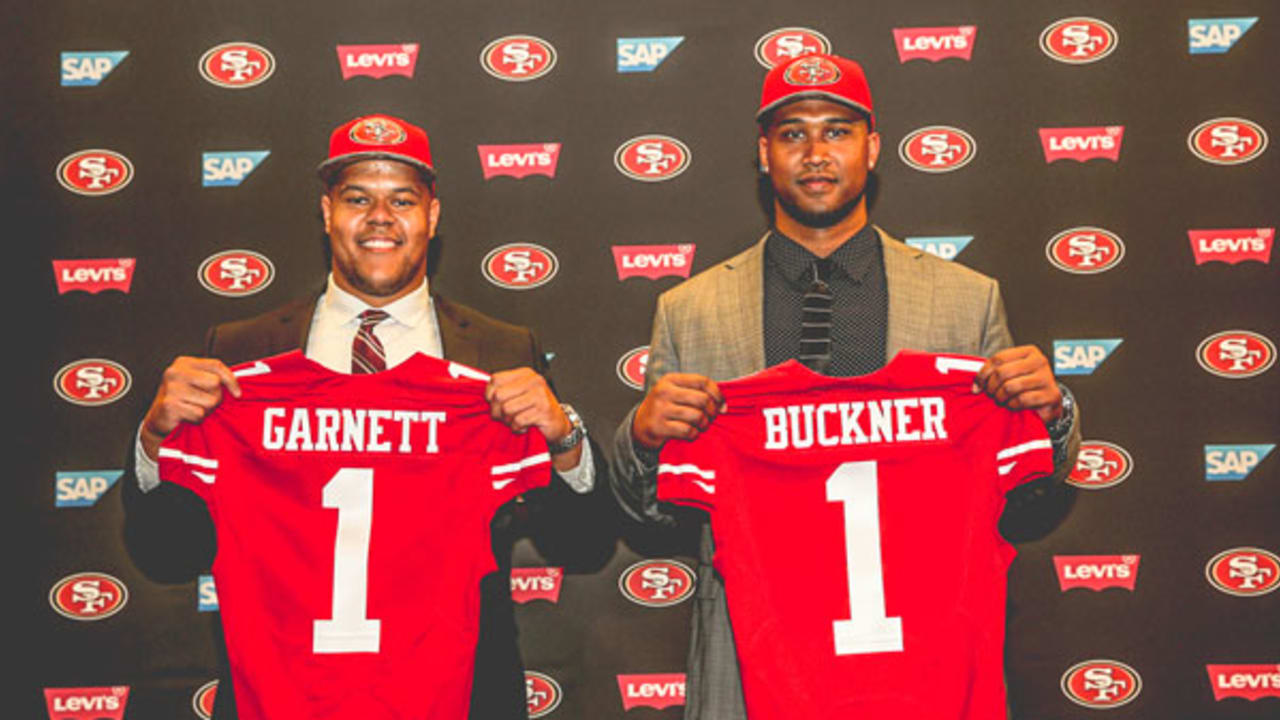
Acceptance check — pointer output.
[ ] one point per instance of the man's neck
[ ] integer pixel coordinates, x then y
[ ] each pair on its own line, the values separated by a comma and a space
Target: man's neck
821, 241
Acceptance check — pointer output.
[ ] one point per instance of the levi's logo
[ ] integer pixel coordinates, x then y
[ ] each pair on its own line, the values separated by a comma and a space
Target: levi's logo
1216, 35
653, 261
519, 161
81, 69
1233, 462
82, 488
536, 583
377, 61
1082, 143
658, 691
1096, 572
87, 703
1233, 245
935, 43
94, 276
1250, 682
946, 247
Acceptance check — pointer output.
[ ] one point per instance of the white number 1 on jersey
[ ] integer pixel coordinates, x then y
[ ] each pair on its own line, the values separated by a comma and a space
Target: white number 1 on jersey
349, 630
867, 630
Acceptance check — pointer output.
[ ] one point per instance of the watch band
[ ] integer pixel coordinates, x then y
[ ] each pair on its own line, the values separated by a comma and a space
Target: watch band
577, 432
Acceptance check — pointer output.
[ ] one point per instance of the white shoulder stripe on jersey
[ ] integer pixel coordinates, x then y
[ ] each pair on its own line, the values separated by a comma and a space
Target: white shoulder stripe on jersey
707, 488
196, 460
258, 368
206, 478
687, 468
499, 484
1027, 446
1006, 469
458, 371
944, 364
520, 464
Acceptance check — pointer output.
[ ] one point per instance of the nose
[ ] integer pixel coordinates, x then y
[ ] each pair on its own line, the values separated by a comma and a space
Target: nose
816, 153
379, 212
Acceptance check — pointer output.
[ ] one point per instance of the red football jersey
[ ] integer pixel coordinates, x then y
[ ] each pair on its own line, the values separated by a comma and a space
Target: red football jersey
855, 527
352, 514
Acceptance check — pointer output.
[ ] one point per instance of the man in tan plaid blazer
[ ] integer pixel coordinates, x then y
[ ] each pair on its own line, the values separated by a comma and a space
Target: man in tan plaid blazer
817, 146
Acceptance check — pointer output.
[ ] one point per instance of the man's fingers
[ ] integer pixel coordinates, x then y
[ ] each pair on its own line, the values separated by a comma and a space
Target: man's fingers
695, 382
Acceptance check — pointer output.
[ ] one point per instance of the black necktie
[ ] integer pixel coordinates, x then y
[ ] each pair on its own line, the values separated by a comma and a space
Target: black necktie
815, 324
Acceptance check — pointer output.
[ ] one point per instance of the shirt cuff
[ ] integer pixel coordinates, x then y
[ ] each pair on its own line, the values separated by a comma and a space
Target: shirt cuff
144, 468
581, 477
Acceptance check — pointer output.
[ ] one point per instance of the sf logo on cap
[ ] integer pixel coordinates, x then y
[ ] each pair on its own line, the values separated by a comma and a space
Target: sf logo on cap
813, 71
378, 131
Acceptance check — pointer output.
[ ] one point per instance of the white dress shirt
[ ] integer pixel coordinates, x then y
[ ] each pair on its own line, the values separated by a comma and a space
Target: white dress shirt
411, 327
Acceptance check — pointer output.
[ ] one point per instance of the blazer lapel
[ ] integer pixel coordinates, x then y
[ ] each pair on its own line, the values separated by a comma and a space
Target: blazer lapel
742, 312
910, 289
458, 342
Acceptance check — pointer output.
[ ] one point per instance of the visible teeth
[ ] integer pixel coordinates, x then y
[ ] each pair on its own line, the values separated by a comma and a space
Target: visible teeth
378, 244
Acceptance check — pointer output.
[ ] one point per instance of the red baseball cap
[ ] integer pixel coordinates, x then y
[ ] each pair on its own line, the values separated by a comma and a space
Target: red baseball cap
378, 136
817, 76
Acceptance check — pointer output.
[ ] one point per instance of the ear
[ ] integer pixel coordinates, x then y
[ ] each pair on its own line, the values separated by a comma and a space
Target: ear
433, 216
326, 209
873, 150
763, 150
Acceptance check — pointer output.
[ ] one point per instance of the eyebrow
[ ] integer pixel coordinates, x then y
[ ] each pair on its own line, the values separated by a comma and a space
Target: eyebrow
832, 119
360, 188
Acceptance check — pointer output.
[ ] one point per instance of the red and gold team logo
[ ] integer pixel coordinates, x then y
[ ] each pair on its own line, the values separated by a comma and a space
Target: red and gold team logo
94, 172
1236, 354
237, 65
88, 596
1101, 684
92, 382
378, 131
1085, 250
1099, 465
1078, 40
784, 44
202, 700
1227, 141
1244, 571
632, 367
657, 583
520, 266
812, 71
542, 693
652, 158
517, 58
236, 273
937, 149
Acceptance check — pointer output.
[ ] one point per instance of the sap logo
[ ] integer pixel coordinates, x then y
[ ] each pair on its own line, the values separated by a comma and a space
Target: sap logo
89, 68
536, 583
206, 594
1082, 357
658, 691
87, 703
1233, 462
1250, 682
946, 247
645, 54
224, 169
82, 488
1216, 35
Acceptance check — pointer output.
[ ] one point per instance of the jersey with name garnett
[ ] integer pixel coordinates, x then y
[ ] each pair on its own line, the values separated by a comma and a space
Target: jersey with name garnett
352, 515
855, 524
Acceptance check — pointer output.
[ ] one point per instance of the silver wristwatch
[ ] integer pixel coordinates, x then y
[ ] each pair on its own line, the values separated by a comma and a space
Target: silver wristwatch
577, 432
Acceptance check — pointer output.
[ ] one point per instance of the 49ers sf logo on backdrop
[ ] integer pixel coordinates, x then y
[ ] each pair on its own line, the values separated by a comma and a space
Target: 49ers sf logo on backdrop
237, 65
236, 273
1227, 141
632, 367
1101, 684
937, 149
94, 172
1244, 571
652, 158
542, 693
657, 583
1085, 250
1236, 354
1100, 464
517, 58
519, 266
88, 596
784, 44
1078, 40
92, 382
202, 699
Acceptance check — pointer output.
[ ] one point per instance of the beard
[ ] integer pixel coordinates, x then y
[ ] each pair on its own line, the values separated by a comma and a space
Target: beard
818, 220
380, 287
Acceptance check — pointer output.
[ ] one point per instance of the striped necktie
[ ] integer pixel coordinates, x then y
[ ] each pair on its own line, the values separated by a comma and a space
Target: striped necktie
815, 325
367, 355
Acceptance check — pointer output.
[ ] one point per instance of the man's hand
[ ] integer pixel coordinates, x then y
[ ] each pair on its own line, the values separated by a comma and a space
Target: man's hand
189, 390
680, 405
1022, 379
521, 399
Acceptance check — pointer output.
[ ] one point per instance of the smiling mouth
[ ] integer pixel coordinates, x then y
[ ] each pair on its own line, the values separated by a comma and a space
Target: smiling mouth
817, 182
379, 243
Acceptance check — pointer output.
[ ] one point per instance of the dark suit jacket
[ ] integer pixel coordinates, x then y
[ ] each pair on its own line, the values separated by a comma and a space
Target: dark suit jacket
170, 536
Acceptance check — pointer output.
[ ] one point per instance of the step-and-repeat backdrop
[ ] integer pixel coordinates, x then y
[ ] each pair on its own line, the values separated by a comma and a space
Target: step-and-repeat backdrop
1109, 163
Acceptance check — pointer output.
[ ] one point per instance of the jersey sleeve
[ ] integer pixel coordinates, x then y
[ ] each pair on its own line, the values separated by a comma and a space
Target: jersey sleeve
687, 474
187, 458
1024, 452
519, 463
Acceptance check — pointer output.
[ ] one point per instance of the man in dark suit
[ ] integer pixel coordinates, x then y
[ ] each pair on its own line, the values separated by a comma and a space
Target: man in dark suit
380, 213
